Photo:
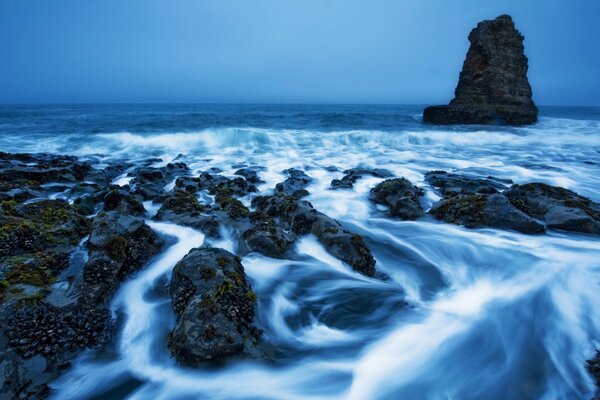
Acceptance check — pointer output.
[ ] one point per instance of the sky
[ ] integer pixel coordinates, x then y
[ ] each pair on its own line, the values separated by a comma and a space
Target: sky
282, 51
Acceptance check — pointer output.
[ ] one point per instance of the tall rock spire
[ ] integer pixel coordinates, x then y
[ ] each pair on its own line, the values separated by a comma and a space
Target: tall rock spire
493, 86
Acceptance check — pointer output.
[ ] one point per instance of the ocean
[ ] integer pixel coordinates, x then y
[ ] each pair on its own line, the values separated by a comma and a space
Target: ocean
466, 313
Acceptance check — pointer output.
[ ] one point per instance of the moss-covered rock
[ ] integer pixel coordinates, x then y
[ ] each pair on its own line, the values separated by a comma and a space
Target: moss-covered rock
559, 208
485, 210
215, 308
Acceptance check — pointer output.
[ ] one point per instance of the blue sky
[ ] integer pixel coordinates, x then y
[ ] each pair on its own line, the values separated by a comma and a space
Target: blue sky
315, 51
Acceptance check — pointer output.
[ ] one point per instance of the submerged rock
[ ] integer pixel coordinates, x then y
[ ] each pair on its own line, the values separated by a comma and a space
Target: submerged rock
559, 208
401, 197
214, 306
493, 87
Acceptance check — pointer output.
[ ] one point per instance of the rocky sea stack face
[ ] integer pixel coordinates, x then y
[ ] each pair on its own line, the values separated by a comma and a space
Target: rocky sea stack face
493, 87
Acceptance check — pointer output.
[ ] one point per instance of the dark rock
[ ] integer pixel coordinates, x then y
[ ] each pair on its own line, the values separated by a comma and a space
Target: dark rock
268, 238
401, 197
119, 245
39, 227
299, 217
182, 207
354, 174
249, 174
453, 184
559, 208
215, 183
493, 86
42, 168
149, 182
295, 185
215, 308
485, 210
122, 201
593, 366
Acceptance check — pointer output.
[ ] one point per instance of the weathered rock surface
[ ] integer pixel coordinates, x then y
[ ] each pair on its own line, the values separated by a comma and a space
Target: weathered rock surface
400, 196
559, 208
215, 308
493, 87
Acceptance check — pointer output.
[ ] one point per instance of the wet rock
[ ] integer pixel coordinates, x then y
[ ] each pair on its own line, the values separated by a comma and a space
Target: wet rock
593, 366
452, 184
485, 210
400, 196
354, 174
42, 168
216, 183
182, 207
493, 86
119, 244
268, 238
40, 226
149, 182
249, 174
50, 332
299, 217
214, 306
559, 208
121, 200
295, 185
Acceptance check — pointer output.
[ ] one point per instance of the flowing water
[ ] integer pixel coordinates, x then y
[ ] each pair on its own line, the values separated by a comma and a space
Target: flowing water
467, 314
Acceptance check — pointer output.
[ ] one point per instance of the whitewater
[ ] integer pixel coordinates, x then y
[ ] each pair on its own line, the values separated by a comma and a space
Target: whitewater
466, 314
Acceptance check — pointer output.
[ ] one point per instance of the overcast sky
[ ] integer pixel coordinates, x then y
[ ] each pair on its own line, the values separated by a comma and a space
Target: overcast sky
315, 51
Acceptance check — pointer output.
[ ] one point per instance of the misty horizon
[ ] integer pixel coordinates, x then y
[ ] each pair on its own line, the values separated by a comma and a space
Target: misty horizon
323, 52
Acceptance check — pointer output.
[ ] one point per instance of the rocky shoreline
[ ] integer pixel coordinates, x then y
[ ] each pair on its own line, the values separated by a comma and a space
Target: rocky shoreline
69, 237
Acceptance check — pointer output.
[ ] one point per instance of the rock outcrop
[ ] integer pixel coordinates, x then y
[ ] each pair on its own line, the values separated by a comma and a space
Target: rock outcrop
493, 86
296, 218
559, 208
354, 174
215, 308
528, 208
400, 196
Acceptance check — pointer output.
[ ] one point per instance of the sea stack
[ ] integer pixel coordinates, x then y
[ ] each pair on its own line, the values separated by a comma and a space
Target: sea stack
493, 88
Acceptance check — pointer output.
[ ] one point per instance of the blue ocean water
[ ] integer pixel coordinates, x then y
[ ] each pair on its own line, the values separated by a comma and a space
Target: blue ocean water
467, 314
